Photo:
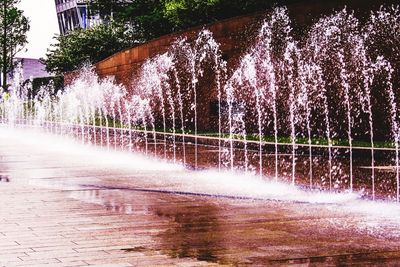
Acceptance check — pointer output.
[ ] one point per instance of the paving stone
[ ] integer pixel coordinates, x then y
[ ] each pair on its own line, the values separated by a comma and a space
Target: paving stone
46, 225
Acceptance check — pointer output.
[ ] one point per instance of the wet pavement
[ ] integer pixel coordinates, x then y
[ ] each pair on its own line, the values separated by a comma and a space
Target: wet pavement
63, 204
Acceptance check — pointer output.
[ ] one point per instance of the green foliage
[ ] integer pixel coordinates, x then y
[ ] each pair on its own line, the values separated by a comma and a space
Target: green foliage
129, 22
87, 46
187, 13
183, 14
154, 18
13, 28
146, 18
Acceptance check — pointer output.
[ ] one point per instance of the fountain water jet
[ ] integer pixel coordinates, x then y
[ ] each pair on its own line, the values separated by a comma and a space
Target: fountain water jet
281, 88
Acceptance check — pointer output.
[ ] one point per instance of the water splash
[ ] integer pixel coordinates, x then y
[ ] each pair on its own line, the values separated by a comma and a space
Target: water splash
303, 95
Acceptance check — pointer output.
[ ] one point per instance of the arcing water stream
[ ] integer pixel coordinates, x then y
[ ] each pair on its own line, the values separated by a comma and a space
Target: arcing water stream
338, 83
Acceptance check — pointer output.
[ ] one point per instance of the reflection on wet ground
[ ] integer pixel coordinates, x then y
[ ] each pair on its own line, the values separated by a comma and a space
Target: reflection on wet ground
191, 229
245, 232
156, 214
192, 235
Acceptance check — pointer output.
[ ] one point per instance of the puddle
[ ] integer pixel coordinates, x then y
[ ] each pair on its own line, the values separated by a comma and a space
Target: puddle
193, 232
188, 229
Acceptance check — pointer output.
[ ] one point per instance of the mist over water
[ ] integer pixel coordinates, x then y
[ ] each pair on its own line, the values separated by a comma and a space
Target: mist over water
312, 111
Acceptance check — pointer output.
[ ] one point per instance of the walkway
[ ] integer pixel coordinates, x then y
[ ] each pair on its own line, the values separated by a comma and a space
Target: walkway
66, 205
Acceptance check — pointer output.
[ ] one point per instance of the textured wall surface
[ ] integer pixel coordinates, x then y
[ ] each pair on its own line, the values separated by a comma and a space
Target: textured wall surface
230, 35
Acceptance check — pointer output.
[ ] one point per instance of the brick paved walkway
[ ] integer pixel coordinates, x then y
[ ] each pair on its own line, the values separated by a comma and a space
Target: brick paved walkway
60, 208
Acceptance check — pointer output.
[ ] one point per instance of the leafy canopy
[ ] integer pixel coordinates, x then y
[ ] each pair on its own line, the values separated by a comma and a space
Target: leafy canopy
13, 28
129, 22
87, 46
158, 17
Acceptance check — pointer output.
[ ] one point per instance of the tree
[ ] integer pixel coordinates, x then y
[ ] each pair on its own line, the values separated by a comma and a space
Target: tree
130, 22
183, 14
154, 18
147, 18
87, 46
13, 28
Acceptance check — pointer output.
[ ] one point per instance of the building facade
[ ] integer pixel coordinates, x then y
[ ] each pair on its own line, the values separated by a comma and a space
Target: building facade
32, 68
28, 69
74, 14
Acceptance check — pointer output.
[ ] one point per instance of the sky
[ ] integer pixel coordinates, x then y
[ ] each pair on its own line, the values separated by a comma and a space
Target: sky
44, 25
